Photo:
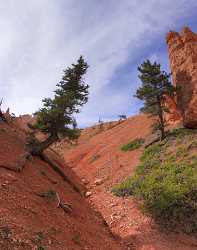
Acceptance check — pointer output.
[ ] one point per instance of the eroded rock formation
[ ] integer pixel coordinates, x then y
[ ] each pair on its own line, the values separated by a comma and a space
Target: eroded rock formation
183, 61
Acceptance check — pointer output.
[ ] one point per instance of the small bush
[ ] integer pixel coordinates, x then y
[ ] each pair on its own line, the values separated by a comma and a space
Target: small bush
166, 182
38, 240
76, 239
135, 144
50, 195
5, 232
181, 132
94, 158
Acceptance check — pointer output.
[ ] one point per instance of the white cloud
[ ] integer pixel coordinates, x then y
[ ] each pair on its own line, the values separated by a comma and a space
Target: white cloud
39, 38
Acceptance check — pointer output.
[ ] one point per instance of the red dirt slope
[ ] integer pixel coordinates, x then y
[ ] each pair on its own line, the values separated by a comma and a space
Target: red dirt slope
29, 214
100, 163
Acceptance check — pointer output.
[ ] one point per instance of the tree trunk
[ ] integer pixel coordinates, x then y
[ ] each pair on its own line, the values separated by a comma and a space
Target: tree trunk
37, 148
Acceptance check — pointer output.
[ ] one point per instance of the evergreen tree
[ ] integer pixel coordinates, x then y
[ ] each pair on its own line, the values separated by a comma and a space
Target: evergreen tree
156, 85
55, 118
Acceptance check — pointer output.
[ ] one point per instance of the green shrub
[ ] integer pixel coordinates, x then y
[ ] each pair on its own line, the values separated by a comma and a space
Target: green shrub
135, 144
167, 185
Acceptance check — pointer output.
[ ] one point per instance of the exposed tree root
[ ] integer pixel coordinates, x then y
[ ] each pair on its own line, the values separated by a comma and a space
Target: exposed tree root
152, 142
10, 168
57, 169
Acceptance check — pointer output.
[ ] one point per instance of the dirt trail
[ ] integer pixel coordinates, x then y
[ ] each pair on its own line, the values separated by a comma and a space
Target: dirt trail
100, 163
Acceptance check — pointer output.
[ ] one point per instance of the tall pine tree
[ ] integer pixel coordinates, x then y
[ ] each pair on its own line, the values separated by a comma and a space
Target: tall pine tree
155, 86
56, 118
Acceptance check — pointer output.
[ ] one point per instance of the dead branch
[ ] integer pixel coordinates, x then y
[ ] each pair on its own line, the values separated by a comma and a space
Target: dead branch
65, 206
58, 198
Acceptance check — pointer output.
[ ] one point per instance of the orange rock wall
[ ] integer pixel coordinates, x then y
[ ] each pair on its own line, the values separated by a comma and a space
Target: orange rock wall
182, 49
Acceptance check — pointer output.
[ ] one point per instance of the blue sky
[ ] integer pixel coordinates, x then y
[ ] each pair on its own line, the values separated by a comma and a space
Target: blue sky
40, 38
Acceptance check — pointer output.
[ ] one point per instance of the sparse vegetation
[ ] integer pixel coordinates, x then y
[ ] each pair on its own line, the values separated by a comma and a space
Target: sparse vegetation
94, 158
55, 118
76, 239
5, 231
135, 144
166, 182
50, 195
38, 240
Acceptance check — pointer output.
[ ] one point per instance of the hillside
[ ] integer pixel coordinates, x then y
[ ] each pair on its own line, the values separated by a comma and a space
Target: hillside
39, 208
100, 163
118, 186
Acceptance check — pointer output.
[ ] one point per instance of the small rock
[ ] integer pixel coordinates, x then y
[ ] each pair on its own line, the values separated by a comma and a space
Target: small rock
98, 182
85, 181
88, 194
113, 205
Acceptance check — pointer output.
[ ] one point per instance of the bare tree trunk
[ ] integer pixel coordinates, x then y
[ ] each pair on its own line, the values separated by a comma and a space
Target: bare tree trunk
36, 148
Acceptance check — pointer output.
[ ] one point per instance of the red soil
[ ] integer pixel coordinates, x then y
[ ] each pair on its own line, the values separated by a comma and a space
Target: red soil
98, 158
28, 220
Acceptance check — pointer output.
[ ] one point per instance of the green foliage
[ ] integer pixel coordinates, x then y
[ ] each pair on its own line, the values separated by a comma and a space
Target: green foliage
155, 86
166, 182
181, 132
55, 118
135, 144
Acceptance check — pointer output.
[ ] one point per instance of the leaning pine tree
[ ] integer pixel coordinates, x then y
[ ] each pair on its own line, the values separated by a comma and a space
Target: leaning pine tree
55, 118
156, 85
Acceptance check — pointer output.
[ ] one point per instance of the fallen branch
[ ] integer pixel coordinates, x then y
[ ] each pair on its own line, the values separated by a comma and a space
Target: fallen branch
65, 206
58, 198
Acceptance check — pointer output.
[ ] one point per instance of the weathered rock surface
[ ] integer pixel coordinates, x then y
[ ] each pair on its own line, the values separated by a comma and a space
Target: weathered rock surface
183, 61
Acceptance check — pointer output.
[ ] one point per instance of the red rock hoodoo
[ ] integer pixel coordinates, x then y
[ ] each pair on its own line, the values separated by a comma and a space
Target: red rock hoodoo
183, 61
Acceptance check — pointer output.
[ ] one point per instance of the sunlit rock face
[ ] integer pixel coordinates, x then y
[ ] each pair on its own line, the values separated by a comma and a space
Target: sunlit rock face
182, 49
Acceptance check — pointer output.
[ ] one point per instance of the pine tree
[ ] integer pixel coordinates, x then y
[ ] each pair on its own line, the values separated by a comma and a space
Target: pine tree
156, 85
56, 118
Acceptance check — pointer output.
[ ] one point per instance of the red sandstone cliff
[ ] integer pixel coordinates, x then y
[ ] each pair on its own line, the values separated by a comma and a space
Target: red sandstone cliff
183, 61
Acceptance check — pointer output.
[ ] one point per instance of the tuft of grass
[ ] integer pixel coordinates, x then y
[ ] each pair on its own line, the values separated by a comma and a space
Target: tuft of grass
76, 239
94, 158
135, 144
5, 232
50, 195
166, 183
181, 132
41, 248
38, 240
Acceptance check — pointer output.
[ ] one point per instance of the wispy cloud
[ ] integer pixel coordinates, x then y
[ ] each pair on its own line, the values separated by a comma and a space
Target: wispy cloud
39, 38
